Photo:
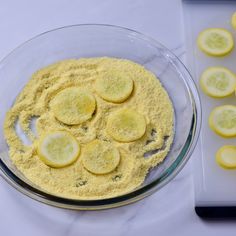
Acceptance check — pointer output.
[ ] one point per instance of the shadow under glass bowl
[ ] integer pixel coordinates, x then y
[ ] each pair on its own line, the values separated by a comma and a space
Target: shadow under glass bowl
98, 41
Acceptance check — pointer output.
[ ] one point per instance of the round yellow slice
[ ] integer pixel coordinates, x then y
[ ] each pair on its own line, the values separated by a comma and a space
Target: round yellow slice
114, 87
218, 82
73, 105
233, 20
222, 120
226, 157
215, 41
58, 149
100, 157
126, 125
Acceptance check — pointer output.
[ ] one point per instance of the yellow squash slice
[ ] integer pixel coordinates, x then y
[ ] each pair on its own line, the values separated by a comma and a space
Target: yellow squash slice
73, 105
126, 125
100, 157
58, 149
222, 120
233, 20
226, 157
114, 87
215, 41
218, 82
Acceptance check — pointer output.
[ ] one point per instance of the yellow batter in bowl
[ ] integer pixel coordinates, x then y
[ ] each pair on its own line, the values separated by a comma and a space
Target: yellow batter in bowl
148, 98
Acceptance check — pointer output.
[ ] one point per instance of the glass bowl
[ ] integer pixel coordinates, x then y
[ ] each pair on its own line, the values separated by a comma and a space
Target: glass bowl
98, 41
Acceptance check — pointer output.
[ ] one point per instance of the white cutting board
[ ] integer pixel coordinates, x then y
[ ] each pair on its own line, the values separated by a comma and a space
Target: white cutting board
213, 185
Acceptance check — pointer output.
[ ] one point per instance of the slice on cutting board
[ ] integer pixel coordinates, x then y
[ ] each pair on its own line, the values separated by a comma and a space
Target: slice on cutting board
215, 41
218, 82
222, 120
58, 149
126, 125
226, 157
233, 20
114, 87
100, 157
73, 105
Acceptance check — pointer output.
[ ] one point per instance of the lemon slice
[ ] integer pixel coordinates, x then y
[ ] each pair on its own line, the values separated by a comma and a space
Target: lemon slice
215, 41
226, 157
113, 87
73, 105
222, 120
126, 125
100, 157
233, 20
218, 82
58, 149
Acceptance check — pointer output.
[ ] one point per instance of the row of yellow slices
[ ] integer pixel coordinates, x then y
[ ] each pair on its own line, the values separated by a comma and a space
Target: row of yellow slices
220, 82
60, 148
75, 105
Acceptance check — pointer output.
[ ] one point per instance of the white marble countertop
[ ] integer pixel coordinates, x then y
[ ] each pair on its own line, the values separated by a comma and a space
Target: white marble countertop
168, 212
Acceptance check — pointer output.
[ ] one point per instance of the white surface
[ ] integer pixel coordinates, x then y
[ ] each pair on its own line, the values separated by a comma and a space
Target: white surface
168, 212
213, 185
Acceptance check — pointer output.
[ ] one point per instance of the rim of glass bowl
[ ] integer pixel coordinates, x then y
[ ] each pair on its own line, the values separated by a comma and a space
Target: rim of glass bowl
141, 192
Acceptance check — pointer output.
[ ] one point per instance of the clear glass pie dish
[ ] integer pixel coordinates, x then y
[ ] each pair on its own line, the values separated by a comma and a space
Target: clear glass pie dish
98, 41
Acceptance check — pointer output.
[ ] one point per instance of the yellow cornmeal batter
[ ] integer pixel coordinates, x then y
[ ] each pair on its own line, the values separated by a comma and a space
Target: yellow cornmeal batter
148, 98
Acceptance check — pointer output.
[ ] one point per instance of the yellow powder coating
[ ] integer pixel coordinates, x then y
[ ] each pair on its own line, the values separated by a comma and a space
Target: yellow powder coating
73, 106
114, 87
126, 125
100, 157
148, 98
